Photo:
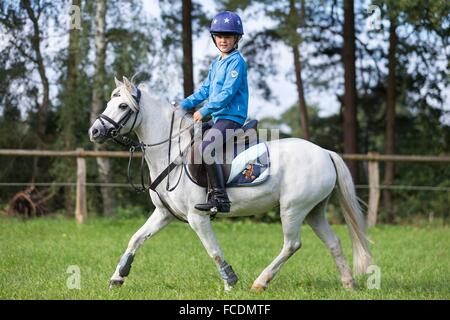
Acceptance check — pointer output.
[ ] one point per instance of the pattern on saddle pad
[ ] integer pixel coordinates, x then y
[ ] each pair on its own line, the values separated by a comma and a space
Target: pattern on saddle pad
250, 167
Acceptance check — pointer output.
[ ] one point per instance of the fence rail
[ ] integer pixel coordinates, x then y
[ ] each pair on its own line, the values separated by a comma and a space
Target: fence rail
373, 159
78, 153
371, 156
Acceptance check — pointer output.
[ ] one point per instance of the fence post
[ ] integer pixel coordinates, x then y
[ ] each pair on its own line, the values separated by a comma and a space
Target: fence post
374, 189
80, 210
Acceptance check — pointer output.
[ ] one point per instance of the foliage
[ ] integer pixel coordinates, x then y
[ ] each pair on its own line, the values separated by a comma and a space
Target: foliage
137, 42
131, 212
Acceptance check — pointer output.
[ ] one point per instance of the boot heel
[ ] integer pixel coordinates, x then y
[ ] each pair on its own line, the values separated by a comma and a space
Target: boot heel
223, 208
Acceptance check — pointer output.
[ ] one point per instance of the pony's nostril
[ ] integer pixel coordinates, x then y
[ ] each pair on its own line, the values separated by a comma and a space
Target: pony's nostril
95, 133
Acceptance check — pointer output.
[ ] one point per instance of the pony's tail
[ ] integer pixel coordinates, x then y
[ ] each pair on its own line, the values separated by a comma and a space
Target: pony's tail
353, 215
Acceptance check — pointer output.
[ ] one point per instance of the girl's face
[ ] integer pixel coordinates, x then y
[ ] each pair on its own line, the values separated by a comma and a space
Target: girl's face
225, 42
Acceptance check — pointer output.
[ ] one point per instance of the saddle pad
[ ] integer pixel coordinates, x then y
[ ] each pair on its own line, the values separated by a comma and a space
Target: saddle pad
250, 167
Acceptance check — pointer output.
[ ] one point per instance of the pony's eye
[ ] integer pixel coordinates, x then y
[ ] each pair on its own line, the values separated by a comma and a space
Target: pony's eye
123, 106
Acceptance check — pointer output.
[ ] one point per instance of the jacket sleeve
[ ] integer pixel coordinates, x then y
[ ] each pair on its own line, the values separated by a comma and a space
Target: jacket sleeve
199, 96
235, 72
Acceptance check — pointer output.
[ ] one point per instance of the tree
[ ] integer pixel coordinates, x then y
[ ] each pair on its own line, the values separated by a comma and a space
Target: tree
98, 93
69, 101
73, 103
293, 18
289, 24
389, 171
179, 33
188, 68
35, 40
350, 95
26, 37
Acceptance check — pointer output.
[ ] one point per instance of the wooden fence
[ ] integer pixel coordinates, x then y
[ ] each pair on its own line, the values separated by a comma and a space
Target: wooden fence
80, 154
81, 209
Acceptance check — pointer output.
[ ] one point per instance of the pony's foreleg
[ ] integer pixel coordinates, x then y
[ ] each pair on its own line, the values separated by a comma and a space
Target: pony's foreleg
158, 220
202, 226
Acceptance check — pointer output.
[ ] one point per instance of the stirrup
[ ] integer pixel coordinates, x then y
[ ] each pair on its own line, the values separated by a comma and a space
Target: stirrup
213, 207
216, 202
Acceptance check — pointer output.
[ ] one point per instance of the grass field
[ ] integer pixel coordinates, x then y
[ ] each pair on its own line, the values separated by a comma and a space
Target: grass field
35, 255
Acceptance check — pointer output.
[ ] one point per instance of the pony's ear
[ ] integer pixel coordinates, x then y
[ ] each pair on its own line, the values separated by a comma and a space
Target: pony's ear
127, 84
118, 83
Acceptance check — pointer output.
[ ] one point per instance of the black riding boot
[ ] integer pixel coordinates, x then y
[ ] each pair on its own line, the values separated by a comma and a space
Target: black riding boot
218, 199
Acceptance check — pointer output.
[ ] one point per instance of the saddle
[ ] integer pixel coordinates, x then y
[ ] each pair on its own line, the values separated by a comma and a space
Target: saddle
243, 165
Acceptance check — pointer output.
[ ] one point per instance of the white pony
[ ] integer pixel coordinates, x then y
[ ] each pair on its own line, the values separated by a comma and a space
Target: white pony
302, 178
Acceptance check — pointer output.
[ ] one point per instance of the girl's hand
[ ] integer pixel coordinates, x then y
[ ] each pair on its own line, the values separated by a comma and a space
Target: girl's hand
197, 116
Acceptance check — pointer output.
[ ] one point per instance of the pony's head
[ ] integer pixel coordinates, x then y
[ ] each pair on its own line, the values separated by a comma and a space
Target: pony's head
121, 114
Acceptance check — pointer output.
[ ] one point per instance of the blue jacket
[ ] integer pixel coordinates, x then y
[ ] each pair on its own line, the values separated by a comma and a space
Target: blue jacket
226, 89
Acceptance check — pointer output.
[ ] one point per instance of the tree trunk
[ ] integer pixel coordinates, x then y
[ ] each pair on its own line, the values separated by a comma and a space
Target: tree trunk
69, 103
389, 172
350, 97
43, 107
103, 164
188, 74
304, 123
39, 61
301, 94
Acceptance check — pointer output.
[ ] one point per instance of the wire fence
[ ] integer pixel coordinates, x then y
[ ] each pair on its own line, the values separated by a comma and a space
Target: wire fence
126, 185
405, 187
372, 159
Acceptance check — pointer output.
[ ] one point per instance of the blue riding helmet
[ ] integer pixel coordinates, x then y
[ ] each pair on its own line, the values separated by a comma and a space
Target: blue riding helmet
227, 22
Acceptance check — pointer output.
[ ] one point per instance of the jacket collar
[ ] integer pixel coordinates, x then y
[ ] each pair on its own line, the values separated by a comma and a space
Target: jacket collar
231, 54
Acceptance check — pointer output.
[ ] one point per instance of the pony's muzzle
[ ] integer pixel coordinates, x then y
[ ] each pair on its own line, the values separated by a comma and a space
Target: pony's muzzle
97, 134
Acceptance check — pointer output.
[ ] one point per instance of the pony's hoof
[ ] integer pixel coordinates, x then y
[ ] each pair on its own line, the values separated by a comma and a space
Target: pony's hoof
227, 287
229, 284
256, 287
115, 283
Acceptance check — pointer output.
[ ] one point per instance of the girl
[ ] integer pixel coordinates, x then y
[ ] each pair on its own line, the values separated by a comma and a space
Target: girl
226, 89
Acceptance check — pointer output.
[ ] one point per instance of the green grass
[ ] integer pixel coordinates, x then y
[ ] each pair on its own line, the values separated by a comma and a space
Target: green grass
35, 255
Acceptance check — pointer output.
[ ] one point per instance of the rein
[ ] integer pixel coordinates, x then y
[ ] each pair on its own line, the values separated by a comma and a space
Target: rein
152, 185
124, 140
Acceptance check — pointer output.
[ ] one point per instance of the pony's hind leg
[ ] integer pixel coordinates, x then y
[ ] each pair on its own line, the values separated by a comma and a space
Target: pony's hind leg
318, 222
291, 221
158, 220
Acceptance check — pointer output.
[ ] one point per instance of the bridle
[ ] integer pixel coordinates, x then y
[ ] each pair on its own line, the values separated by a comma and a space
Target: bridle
114, 134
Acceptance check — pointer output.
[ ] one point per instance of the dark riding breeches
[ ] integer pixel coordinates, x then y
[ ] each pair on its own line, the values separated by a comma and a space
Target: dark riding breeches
215, 138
